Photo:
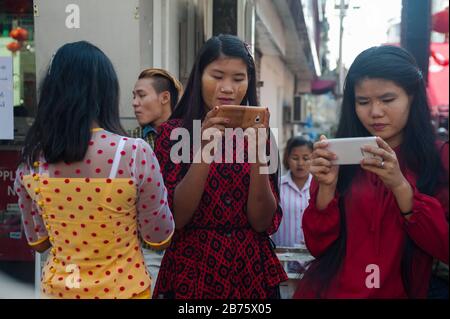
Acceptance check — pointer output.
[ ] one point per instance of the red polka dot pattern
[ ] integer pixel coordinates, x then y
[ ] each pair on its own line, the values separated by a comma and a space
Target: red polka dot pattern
78, 206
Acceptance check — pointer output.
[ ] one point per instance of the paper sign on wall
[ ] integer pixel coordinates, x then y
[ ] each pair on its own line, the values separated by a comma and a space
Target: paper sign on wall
6, 99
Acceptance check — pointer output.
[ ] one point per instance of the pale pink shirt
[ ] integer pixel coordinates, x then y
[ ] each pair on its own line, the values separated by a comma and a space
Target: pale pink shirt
108, 156
293, 203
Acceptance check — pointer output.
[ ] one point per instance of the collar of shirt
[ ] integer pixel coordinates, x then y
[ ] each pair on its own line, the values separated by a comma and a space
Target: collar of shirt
146, 130
287, 179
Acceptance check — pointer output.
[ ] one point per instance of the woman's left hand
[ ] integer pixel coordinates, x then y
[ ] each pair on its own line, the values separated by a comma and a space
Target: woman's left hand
254, 144
388, 168
265, 123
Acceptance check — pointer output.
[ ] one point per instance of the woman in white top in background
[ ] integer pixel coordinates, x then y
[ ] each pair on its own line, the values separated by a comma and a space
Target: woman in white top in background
294, 192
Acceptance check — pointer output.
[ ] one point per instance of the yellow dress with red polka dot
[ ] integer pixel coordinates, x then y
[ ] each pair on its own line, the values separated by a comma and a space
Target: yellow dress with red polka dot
86, 222
92, 223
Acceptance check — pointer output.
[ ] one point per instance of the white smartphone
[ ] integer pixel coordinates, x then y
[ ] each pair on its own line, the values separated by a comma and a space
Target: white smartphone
349, 150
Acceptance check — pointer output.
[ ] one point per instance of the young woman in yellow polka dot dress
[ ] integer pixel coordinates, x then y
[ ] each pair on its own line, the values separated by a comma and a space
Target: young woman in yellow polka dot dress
86, 191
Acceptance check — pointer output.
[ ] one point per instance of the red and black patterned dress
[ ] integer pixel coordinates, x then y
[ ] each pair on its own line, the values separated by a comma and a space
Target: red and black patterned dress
217, 254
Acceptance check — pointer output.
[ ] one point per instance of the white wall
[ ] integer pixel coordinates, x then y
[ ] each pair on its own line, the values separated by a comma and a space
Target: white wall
146, 33
277, 90
112, 25
166, 35
266, 11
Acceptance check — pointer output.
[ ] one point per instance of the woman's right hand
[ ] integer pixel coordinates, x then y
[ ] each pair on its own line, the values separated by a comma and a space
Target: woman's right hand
322, 169
212, 121
213, 129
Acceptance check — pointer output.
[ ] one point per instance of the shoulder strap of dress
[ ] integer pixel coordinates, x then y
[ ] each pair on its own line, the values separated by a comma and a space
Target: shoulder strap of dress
117, 157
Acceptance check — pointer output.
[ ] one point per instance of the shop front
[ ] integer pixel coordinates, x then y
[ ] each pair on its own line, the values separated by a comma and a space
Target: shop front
17, 109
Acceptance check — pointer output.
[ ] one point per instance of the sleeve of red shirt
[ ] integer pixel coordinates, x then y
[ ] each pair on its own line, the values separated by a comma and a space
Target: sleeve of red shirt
428, 225
442, 194
170, 171
320, 227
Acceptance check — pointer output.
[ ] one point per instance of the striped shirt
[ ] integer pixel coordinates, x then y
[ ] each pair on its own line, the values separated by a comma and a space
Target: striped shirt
293, 203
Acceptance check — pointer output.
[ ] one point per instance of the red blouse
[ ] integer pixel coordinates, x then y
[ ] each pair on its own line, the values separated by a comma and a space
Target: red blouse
217, 254
376, 234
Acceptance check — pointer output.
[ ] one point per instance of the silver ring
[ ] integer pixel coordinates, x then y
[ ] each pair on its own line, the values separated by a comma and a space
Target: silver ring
382, 164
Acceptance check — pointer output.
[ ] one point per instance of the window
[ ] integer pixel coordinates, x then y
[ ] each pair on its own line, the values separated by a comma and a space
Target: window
225, 17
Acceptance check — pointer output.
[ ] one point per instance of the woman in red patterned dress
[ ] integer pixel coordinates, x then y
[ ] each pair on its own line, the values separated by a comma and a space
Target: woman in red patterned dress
224, 212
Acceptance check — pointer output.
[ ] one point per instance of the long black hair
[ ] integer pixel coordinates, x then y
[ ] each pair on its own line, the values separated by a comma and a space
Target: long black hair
418, 149
191, 106
79, 88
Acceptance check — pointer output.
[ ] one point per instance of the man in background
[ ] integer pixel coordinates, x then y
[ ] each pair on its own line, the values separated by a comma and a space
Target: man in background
155, 95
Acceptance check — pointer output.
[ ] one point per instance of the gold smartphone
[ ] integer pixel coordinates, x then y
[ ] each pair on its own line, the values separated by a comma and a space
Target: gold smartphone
242, 116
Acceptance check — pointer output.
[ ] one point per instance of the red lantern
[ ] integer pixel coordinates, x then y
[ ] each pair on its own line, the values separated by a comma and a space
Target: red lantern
19, 34
14, 46
14, 33
22, 34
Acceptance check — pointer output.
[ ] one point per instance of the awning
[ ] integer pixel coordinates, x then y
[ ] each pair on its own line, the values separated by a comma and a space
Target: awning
319, 86
438, 79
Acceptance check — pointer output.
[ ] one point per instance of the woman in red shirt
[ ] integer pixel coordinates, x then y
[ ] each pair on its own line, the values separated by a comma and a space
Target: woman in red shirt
375, 228
224, 212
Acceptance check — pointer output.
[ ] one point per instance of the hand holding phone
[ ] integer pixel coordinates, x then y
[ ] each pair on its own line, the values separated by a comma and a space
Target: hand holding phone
322, 168
349, 150
242, 116
213, 121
